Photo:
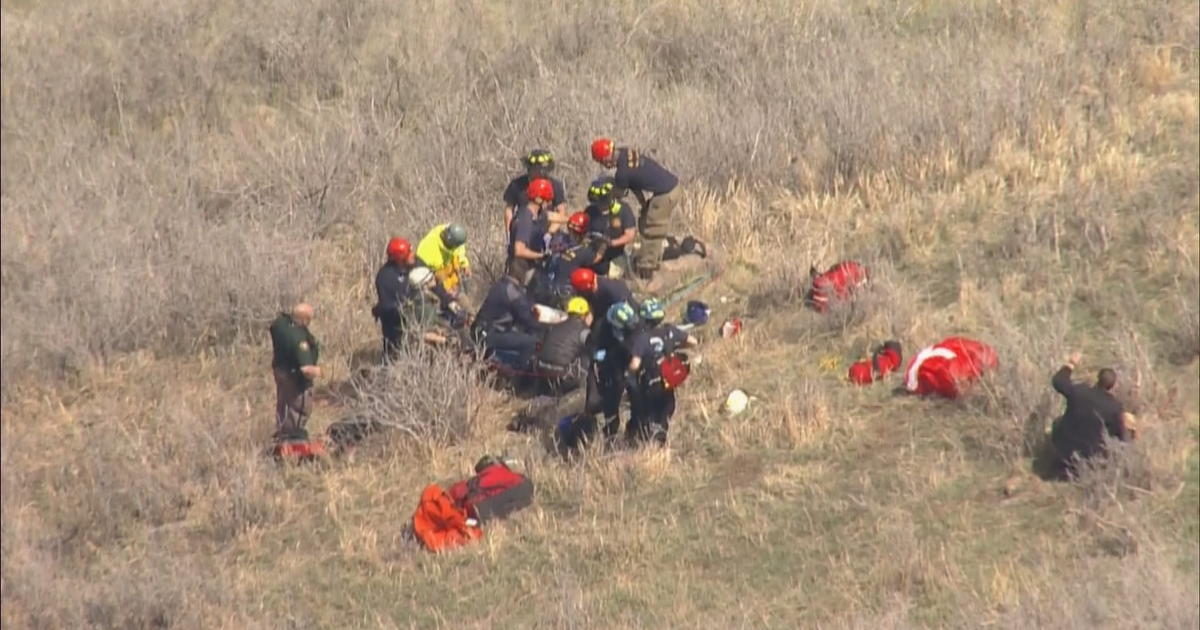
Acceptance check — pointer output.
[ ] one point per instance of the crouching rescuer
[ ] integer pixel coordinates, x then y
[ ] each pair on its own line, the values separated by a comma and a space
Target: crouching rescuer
506, 323
655, 372
654, 188
294, 365
564, 345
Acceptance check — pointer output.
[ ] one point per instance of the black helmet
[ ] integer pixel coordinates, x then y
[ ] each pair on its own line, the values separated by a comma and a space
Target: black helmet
601, 190
539, 162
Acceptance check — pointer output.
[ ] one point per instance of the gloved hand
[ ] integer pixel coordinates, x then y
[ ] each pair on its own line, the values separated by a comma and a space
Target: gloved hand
600, 354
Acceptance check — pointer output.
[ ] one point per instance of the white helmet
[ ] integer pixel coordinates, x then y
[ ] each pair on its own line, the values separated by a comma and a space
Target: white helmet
736, 402
420, 277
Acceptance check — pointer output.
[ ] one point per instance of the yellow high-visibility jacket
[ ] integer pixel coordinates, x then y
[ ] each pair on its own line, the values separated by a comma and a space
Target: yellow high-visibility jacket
445, 263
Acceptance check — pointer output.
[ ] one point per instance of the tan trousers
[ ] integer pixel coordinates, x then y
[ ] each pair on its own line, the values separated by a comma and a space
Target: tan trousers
654, 223
293, 402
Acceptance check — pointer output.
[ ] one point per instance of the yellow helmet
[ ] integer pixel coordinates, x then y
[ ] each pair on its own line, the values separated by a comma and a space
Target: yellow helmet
578, 306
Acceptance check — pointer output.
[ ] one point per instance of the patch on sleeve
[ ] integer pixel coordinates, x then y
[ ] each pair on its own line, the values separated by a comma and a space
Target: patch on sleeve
304, 346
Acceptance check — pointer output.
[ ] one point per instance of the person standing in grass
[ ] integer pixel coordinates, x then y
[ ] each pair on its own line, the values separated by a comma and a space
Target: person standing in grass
294, 364
539, 164
1092, 413
653, 186
528, 229
652, 394
393, 290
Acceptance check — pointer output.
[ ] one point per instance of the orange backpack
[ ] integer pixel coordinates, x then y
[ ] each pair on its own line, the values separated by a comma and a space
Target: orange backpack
439, 524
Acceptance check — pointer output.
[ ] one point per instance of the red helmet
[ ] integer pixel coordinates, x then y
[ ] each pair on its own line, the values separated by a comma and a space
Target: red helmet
583, 280
578, 223
398, 250
539, 189
602, 149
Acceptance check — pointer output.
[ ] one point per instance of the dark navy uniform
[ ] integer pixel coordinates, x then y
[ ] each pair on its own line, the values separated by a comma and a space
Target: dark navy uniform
610, 221
606, 383
641, 174
608, 291
392, 291
514, 195
652, 405
505, 320
530, 229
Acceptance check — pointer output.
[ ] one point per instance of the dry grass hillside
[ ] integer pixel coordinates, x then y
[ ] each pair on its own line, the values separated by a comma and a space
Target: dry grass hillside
174, 173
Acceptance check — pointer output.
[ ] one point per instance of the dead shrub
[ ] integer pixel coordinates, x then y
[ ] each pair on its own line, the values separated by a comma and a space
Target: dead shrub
426, 394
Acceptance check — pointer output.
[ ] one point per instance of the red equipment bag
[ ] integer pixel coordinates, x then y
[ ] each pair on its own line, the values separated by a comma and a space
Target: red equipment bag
948, 367
299, 450
838, 283
867, 371
439, 523
495, 492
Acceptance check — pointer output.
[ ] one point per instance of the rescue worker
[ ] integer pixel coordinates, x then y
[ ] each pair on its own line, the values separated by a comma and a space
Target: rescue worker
601, 293
612, 220
652, 397
392, 290
1091, 413
539, 163
653, 186
506, 321
294, 364
528, 230
606, 383
565, 344
444, 251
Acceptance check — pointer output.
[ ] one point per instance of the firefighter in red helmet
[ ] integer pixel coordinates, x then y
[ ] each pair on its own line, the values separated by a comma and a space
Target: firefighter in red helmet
392, 290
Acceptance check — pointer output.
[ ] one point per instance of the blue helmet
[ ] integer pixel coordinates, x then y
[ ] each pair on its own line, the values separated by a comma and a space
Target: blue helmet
652, 311
622, 316
697, 313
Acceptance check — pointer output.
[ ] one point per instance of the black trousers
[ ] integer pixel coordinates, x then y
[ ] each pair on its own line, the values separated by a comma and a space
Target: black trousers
652, 411
605, 389
392, 330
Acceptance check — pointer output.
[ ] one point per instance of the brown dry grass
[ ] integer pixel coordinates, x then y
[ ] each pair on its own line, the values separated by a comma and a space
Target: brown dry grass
1021, 172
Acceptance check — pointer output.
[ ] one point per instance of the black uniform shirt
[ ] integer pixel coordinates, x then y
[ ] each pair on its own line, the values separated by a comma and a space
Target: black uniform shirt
391, 286
514, 195
1091, 412
641, 173
611, 220
506, 306
529, 229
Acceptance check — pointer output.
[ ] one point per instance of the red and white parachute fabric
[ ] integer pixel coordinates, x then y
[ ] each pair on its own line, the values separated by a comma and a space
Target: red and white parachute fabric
949, 367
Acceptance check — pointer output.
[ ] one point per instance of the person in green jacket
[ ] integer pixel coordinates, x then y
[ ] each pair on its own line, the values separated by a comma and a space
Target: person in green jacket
295, 367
